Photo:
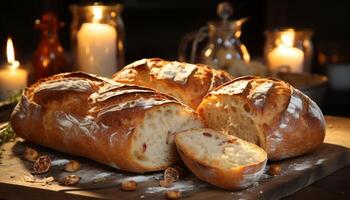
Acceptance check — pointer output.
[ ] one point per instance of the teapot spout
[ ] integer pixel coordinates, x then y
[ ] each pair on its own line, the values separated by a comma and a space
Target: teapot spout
241, 21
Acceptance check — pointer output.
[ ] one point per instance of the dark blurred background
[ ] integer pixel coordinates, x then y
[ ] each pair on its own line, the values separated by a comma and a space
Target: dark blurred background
154, 28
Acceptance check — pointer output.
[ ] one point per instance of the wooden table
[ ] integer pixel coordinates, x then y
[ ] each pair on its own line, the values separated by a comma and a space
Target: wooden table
335, 186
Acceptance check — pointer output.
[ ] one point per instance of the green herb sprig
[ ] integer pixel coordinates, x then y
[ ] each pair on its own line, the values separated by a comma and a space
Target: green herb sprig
15, 97
6, 134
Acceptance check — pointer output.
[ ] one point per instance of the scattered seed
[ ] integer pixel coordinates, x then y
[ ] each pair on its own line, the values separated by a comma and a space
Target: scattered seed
42, 165
70, 180
129, 185
173, 194
72, 166
165, 183
171, 174
30, 154
275, 170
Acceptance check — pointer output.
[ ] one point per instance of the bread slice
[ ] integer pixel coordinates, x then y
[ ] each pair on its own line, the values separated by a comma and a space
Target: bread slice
220, 159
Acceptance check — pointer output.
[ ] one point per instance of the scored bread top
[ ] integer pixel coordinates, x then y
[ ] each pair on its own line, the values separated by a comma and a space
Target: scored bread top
186, 82
79, 96
289, 123
92, 94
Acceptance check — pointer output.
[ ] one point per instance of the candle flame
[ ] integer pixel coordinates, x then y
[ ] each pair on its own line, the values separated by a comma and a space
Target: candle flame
97, 13
287, 38
10, 52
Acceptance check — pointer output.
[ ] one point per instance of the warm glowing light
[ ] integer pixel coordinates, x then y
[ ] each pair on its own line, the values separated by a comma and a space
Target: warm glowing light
246, 56
97, 13
10, 52
287, 38
285, 56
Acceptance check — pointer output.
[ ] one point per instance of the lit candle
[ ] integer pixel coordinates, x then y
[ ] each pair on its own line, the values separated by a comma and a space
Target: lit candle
96, 48
285, 55
12, 78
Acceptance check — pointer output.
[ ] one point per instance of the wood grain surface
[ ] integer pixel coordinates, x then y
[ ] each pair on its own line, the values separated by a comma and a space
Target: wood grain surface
102, 182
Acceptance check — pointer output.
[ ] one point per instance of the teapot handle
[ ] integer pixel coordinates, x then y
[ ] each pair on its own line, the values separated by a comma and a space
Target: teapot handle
184, 44
196, 37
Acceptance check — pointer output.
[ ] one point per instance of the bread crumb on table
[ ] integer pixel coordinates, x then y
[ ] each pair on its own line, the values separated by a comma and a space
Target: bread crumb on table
275, 170
30, 154
72, 166
173, 194
70, 180
129, 185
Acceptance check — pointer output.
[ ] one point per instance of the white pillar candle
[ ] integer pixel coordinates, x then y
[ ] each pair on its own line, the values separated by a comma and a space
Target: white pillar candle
12, 78
286, 56
96, 49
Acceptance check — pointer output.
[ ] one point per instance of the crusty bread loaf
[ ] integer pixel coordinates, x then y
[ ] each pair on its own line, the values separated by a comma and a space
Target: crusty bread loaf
220, 159
186, 82
267, 112
126, 127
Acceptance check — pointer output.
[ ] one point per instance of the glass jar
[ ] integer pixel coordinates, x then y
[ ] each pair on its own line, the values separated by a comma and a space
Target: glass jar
97, 36
224, 49
288, 50
217, 44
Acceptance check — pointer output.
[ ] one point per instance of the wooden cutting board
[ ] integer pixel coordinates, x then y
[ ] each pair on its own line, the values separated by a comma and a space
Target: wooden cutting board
99, 181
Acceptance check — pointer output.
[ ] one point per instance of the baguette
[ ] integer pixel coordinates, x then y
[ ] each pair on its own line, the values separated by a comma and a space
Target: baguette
186, 82
222, 160
126, 127
267, 112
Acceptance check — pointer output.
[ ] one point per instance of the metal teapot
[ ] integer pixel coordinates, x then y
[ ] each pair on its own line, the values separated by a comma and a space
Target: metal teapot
216, 44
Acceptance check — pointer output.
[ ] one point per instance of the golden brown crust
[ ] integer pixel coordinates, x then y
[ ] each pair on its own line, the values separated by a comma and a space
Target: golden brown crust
290, 123
187, 82
210, 171
234, 179
85, 115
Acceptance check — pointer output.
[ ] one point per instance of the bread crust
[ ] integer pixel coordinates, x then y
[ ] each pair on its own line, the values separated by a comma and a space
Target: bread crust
186, 82
231, 179
289, 123
88, 116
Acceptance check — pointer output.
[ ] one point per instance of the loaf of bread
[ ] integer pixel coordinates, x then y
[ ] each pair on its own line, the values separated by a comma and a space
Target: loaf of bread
186, 82
267, 112
126, 127
220, 159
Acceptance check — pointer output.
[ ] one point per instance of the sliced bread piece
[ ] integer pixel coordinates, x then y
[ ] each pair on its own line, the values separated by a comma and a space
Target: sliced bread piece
220, 159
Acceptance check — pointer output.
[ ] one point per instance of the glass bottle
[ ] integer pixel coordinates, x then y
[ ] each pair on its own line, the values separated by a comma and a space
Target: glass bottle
49, 57
224, 48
